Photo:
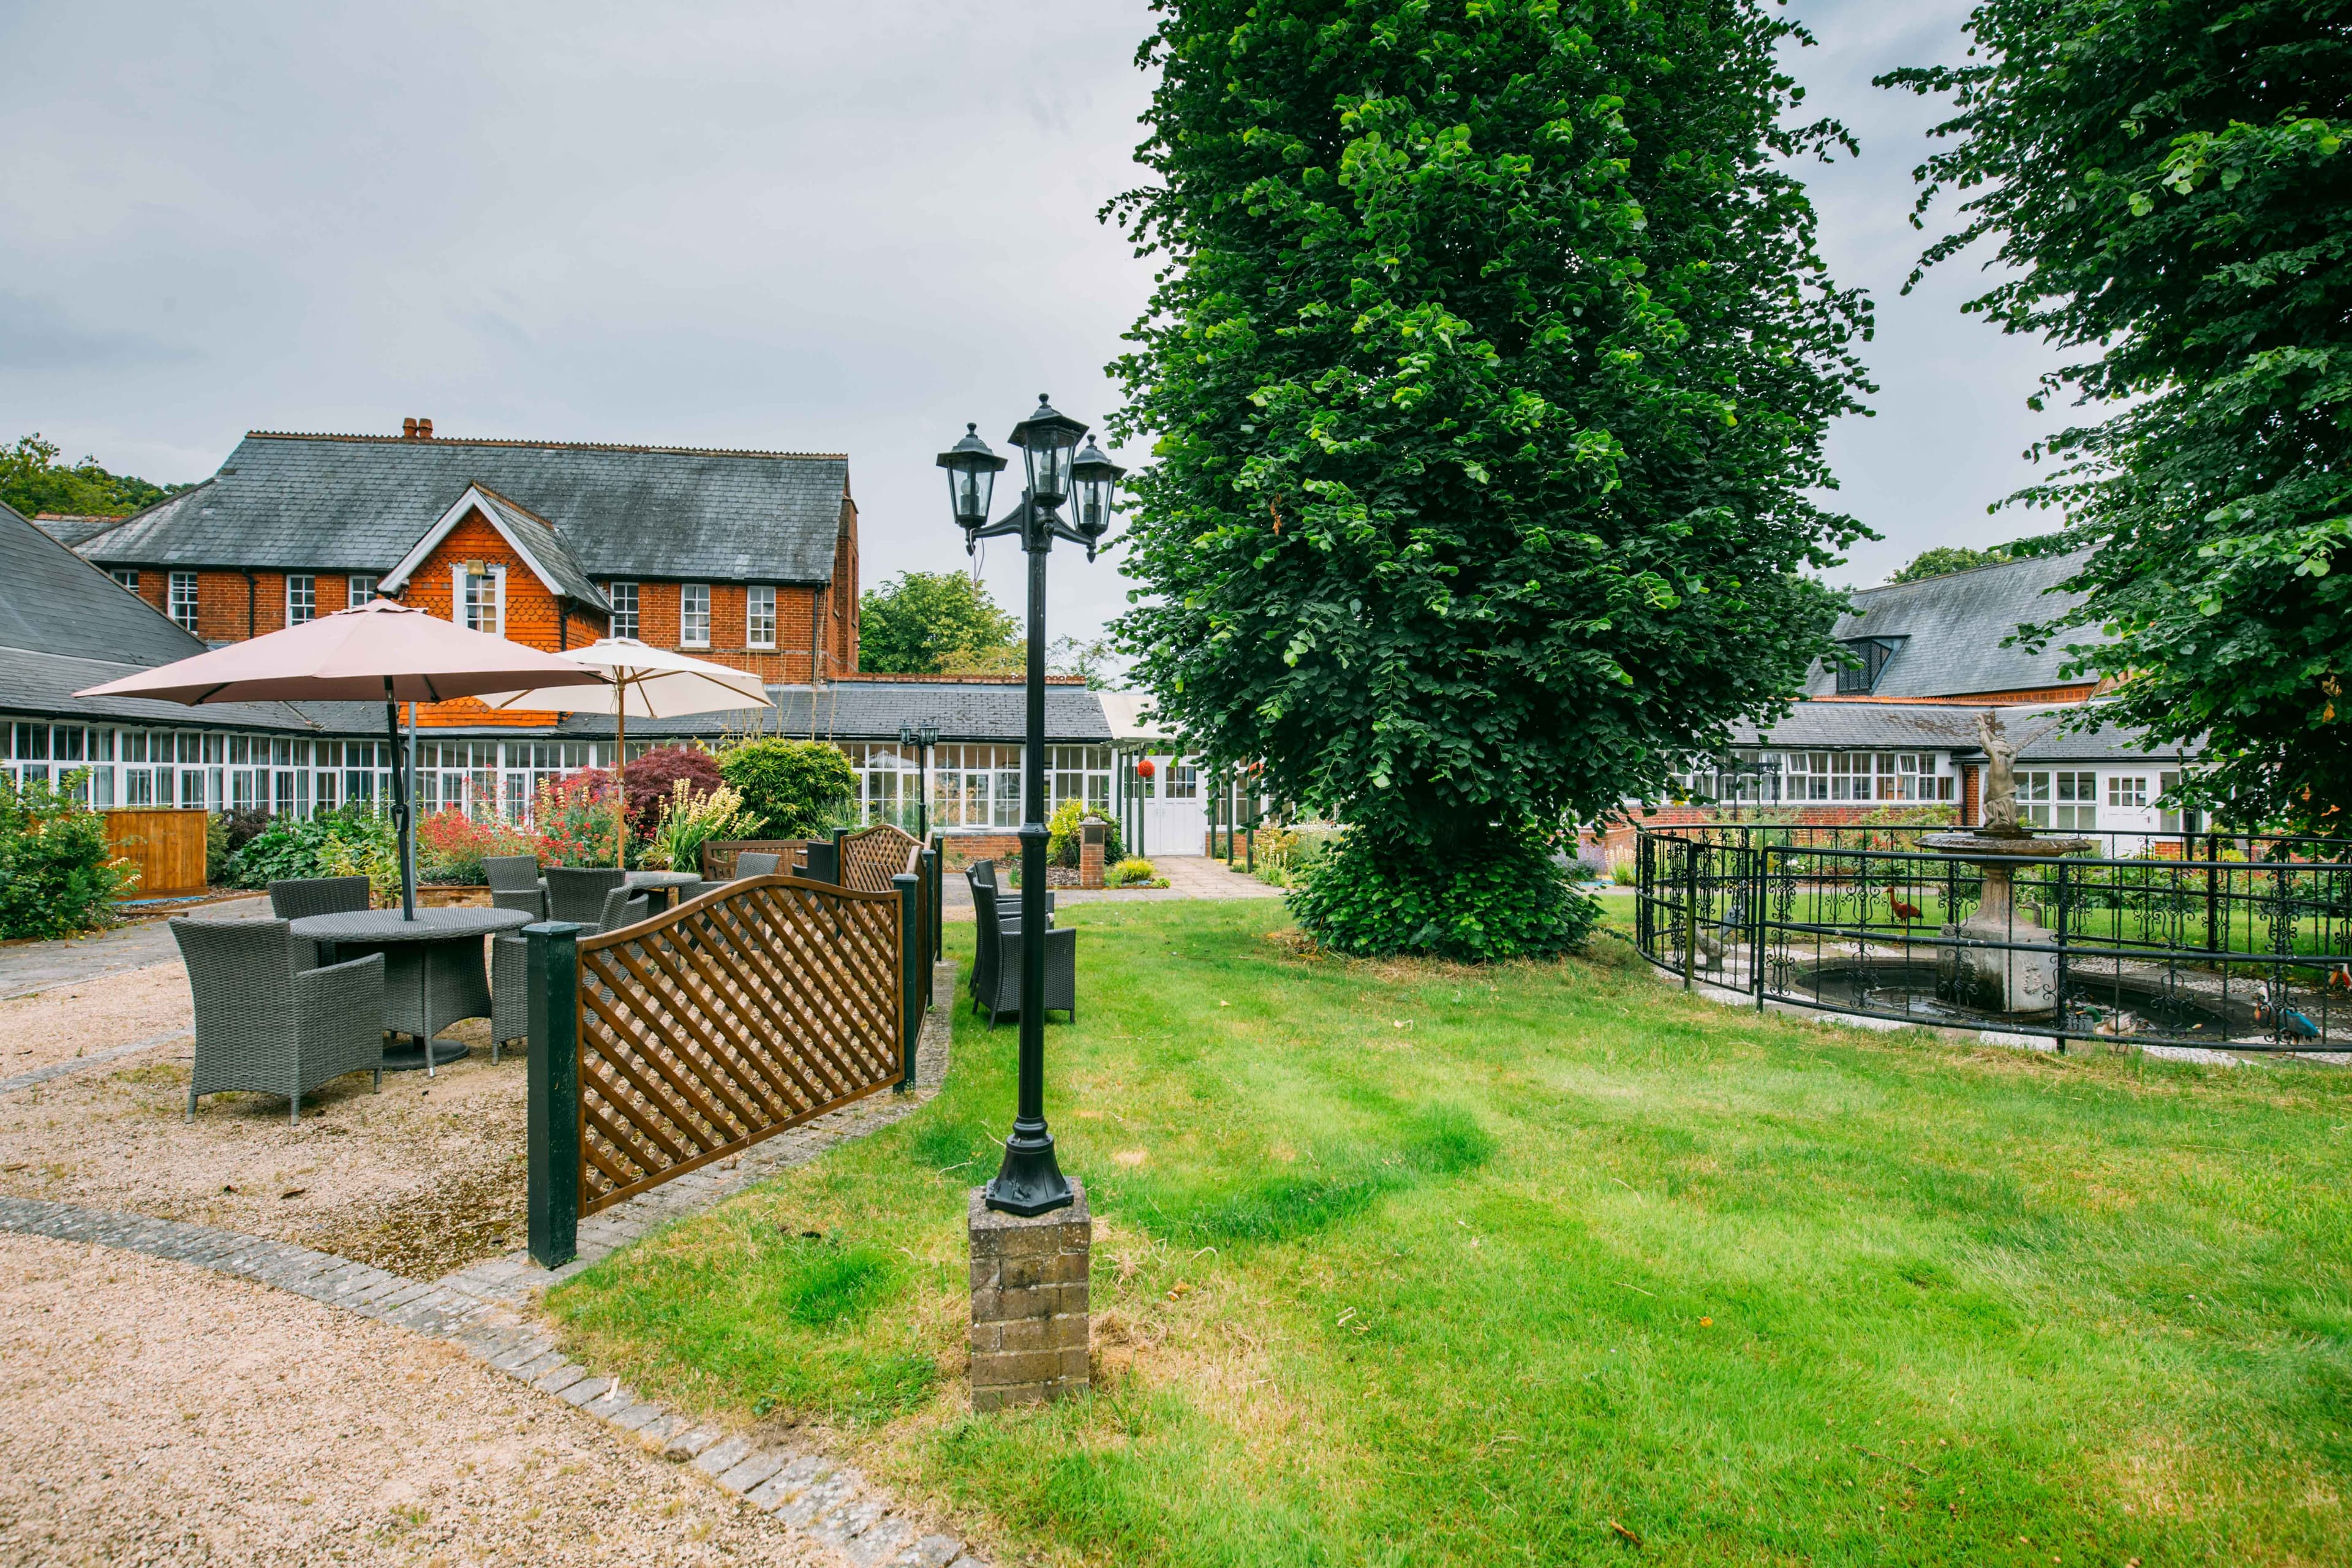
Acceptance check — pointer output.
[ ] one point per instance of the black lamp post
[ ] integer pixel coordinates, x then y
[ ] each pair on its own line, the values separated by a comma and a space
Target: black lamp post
922, 737
1029, 1182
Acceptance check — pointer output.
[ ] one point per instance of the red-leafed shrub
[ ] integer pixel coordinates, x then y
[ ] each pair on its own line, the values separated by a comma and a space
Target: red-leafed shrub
649, 778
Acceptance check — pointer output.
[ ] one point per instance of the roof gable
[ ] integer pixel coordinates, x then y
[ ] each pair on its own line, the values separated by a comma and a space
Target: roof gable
360, 502
534, 538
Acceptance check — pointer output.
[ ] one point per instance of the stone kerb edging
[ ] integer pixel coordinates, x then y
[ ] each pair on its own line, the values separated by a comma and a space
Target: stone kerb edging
478, 1310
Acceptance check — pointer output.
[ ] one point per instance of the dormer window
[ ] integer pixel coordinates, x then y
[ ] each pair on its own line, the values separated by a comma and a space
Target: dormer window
1860, 679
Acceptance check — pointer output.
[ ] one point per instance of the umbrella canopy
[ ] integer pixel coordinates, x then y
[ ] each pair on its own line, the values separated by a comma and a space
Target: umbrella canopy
645, 682
380, 649
640, 681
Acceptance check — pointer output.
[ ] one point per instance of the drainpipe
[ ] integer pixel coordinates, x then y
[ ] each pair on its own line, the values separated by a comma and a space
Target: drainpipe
816, 626
563, 623
252, 587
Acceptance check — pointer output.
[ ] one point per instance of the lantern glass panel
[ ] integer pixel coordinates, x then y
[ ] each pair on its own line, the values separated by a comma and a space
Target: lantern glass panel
1049, 463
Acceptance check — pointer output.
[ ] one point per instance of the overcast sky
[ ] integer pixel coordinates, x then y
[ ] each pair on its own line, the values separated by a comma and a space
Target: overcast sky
811, 227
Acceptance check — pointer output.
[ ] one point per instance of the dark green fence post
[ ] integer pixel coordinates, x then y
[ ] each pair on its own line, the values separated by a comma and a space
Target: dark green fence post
911, 972
551, 1128
939, 896
823, 861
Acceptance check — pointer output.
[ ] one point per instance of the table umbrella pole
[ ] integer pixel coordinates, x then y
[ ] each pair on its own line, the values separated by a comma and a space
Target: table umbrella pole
400, 803
620, 775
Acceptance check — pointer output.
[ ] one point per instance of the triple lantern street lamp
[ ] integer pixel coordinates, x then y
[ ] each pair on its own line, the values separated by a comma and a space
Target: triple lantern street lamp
1030, 1182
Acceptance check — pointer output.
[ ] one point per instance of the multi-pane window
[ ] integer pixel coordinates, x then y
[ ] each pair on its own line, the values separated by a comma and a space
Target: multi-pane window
694, 615
888, 779
2128, 791
2171, 820
976, 786
301, 599
1184, 781
1920, 775
183, 599
624, 597
359, 589
1078, 772
126, 575
481, 589
2068, 801
759, 617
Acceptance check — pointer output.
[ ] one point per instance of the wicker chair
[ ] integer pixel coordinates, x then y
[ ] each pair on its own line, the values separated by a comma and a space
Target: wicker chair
510, 968
305, 896
268, 1022
756, 863
576, 893
996, 958
515, 884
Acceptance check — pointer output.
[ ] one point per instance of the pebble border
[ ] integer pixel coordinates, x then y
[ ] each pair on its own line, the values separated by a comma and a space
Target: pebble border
479, 1310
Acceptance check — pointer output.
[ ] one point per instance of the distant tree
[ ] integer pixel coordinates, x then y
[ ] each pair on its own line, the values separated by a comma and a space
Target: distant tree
33, 481
1091, 659
1948, 558
1485, 377
932, 623
2171, 185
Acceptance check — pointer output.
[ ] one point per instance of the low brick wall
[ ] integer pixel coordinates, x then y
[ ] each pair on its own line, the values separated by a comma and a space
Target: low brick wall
961, 849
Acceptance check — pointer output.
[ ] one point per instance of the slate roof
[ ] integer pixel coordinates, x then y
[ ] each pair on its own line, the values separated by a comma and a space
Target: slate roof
1951, 629
358, 503
1865, 726
65, 625
872, 711
72, 531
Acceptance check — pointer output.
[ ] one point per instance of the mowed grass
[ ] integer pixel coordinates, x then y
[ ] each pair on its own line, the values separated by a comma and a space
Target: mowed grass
1415, 1265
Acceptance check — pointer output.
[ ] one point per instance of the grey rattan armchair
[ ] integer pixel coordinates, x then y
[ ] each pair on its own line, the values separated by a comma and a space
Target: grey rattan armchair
996, 959
515, 884
268, 1022
308, 896
576, 893
510, 968
756, 863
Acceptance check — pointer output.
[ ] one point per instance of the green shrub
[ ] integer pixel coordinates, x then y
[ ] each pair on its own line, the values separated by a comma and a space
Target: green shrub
797, 789
1132, 872
1502, 895
215, 848
689, 819
287, 848
56, 874
1063, 840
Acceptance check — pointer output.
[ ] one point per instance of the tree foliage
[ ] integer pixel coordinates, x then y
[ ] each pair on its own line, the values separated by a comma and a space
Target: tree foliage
2170, 188
1488, 371
935, 623
33, 481
1947, 558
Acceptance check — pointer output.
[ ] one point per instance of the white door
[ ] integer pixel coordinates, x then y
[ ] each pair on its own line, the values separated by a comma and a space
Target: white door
1175, 814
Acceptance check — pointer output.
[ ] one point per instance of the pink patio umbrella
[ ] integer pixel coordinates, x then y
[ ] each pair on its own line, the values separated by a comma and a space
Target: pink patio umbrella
379, 649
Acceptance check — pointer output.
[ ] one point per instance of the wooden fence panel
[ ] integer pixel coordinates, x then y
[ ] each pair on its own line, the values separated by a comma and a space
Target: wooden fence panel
871, 855
737, 1015
165, 845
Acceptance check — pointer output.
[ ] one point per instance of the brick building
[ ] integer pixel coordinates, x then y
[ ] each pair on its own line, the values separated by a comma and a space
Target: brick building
745, 558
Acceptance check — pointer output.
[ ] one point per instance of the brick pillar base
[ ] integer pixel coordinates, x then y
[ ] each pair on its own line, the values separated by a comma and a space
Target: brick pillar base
1029, 1319
1090, 853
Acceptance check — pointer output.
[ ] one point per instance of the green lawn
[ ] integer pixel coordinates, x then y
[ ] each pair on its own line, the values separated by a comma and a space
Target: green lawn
1411, 1264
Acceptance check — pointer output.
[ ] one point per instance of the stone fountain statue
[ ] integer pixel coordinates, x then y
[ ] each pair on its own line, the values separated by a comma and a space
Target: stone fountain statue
2020, 982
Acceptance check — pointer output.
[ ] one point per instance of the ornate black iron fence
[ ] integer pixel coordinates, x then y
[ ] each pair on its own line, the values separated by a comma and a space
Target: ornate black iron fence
2237, 944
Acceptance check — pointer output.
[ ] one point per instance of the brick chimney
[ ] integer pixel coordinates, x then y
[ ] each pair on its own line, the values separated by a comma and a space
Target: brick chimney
417, 429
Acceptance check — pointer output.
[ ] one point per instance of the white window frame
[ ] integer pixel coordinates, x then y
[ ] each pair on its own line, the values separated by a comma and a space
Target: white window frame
687, 635
759, 609
126, 575
622, 596
359, 589
2127, 792
302, 595
182, 595
463, 606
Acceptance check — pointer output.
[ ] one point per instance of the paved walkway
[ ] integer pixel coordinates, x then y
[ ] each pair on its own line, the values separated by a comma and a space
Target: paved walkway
826, 1512
29, 966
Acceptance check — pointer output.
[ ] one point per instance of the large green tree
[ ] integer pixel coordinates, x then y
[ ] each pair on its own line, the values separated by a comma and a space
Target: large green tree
1487, 373
2168, 184
33, 481
935, 623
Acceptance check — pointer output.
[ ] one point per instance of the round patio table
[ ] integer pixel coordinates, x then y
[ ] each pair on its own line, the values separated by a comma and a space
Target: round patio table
666, 883
433, 971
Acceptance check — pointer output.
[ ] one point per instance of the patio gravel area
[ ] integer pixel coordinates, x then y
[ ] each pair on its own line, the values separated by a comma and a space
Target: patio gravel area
422, 1179
267, 1428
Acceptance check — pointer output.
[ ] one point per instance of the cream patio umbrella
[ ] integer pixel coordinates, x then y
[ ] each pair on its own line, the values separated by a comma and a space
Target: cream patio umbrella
640, 681
378, 649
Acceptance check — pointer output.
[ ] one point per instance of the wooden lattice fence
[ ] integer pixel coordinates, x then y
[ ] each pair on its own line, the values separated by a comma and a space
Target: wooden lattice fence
737, 1016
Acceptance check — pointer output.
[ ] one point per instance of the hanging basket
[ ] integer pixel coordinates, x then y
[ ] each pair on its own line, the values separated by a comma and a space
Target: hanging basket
1143, 768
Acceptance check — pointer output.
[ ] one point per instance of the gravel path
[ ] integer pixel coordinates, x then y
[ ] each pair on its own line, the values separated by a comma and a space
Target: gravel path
422, 1179
79, 1018
269, 1429
29, 966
